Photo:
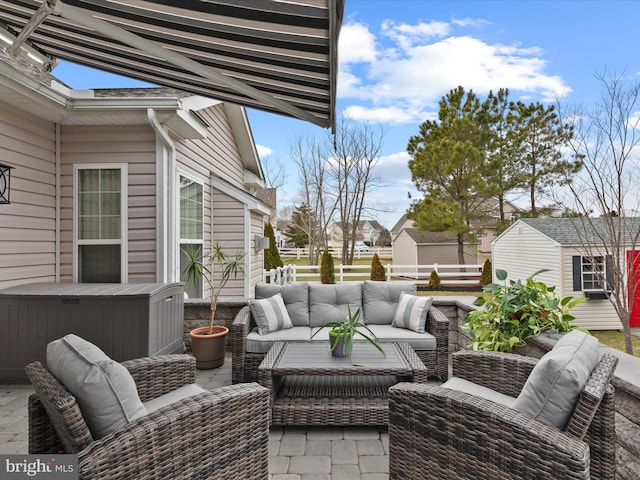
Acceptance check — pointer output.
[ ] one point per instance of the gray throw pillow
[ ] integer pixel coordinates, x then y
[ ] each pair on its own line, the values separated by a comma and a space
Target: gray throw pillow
105, 390
295, 296
411, 312
270, 314
380, 300
553, 387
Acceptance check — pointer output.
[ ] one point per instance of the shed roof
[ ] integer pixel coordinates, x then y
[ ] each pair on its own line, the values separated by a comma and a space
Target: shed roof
577, 231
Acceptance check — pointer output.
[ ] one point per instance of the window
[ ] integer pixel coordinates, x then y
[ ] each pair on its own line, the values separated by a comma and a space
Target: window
191, 229
100, 219
590, 276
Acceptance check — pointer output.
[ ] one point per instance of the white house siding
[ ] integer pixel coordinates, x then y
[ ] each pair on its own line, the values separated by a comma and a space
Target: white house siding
257, 258
131, 144
522, 251
591, 314
28, 225
228, 227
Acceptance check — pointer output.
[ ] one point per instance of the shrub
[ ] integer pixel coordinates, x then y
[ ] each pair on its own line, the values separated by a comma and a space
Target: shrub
515, 311
434, 280
272, 254
377, 270
327, 274
486, 277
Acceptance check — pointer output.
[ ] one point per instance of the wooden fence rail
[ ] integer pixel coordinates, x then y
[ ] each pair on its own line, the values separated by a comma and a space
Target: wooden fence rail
451, 274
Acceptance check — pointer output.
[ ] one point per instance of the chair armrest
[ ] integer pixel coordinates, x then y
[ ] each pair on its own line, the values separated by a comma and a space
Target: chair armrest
438, 326
435, 433
503, 372
155, 376
220, 434
240, 328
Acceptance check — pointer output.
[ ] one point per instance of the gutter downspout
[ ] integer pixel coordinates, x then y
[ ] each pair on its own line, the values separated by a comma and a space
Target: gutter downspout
58, 190
166, 241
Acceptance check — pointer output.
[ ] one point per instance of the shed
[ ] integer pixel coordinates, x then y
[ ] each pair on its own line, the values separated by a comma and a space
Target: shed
125, 320
556, 244
412, 246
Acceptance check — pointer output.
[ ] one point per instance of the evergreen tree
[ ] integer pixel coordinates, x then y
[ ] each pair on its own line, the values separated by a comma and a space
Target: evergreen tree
327, 274
299, 226
434, 280
486, 277
377, 270
272, 254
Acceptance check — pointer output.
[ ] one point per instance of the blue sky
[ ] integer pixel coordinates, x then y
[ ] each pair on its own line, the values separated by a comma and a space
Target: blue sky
399, 57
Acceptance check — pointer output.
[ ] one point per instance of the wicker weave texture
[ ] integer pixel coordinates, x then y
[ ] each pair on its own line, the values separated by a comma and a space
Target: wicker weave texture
245, 364
219, 434
439, 433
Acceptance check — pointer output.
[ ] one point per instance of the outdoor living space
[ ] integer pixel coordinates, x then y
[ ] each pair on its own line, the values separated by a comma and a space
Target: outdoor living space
295, 453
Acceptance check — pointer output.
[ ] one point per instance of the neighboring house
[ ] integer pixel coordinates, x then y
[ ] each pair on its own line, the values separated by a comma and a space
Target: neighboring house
110, 184
532, 244
404, 222
367, 231
412, 246
485, 230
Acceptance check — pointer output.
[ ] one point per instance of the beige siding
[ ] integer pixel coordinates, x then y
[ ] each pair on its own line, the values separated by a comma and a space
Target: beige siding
257, 258
404, 250
134, 145
590, 314
228, 226
445, 254
27, 225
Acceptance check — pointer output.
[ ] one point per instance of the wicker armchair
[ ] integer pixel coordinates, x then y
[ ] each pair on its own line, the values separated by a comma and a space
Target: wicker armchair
440, 433
219, 434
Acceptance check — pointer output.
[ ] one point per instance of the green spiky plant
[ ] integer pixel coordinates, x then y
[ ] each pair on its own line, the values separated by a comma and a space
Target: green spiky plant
344, 333
207, 265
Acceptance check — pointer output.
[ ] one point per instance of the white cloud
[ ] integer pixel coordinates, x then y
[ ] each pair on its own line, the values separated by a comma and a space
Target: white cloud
400, 76
469, 22
356, 44
263, 151
399, 158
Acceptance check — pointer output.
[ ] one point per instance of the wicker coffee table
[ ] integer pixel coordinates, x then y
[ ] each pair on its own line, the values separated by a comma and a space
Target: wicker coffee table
310, 387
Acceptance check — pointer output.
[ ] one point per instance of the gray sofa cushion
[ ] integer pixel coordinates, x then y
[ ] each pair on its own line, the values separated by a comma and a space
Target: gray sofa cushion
295, 296
462, 385
387, 333
380, 300
257, 343
177, 395
331, 303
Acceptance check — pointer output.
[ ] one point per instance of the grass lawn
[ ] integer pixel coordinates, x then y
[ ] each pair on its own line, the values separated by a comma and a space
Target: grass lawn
615, 339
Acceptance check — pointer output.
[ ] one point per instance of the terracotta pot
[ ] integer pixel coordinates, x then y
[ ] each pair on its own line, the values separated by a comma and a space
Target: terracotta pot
208, 349
340, 346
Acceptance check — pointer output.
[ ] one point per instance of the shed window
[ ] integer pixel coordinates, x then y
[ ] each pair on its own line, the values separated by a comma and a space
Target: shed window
590, 275
100, 220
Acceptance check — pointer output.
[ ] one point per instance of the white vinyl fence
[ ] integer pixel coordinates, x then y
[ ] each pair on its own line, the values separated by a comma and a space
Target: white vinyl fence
449, 274
337, 252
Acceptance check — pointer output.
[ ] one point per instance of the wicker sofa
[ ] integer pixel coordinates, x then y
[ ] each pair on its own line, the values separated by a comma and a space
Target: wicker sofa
311, 305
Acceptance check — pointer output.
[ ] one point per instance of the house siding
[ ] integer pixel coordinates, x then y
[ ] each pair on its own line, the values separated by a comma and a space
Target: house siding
404, 250
257, 258
228, 227
131, 144
445, 254
28, 224
522, 251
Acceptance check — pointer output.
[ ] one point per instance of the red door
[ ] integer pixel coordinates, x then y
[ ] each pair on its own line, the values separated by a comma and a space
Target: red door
633, 262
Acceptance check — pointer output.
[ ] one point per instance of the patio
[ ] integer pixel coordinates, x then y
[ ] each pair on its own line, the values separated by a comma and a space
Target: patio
295, 453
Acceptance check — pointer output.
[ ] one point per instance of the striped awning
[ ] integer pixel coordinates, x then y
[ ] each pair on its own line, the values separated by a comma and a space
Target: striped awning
273, 55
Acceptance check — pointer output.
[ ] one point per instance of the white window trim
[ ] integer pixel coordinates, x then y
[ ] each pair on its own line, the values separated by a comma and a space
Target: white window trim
124, 210
199, 180
583, 259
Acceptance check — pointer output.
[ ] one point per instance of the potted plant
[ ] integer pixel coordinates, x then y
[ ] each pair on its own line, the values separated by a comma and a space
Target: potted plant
515, 311
208, 344
342, 334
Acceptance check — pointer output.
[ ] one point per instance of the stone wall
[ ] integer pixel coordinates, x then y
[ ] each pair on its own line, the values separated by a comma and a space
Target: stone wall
626, 382
196, 314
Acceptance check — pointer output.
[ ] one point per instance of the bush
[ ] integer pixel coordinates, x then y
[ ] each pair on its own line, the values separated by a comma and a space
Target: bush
516, 311
327, 274
377, 270
272, 254
434, 280
486, 277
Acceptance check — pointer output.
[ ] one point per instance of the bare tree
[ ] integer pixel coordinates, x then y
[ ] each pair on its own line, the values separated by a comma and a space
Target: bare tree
275, 175
356, 152
317, 192
606, 140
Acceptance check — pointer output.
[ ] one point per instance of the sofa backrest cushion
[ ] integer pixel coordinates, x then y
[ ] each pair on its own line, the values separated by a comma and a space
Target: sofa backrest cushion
331, 303
105, 390
295, 297
380, 300
555, 383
